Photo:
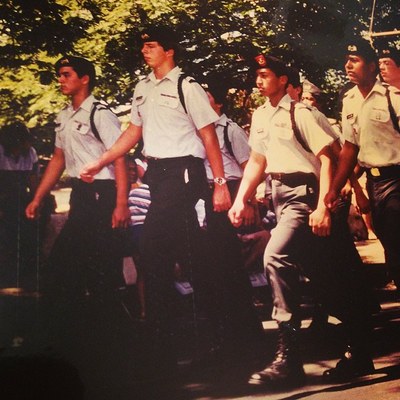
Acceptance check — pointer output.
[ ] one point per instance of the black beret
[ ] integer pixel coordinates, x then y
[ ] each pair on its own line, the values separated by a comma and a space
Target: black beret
362, 48
80, 65
274, 64
387, 50
159, 33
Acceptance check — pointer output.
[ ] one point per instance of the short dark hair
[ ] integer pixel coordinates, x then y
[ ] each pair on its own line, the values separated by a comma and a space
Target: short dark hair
293, 77
215, 84
81, 66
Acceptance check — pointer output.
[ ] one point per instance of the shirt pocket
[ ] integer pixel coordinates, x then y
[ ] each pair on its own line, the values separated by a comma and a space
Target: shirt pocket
379, 115
168, 100
284, 133
79, 127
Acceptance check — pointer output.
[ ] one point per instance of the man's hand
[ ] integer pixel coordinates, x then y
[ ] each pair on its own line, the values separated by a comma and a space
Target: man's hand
331, 200
221, 198
363, 203
248, 215
320, 221
90, 170
32, 209
235, 214
121, 217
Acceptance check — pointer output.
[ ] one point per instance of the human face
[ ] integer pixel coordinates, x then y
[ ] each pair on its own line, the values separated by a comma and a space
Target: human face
70, 83
390, 72
154, 54
308, 99
293, 92
358, 71
269, 84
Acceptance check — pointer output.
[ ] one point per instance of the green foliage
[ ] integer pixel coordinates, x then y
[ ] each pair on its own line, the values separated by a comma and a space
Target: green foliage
217, 36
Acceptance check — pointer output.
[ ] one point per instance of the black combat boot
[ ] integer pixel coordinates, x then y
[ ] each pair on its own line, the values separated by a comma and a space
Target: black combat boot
287, 368
354, 363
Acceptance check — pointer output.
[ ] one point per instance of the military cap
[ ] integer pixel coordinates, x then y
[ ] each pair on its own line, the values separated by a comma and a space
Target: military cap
166, 36
388, 50
80, 65
362, 48
309, 87
274, 64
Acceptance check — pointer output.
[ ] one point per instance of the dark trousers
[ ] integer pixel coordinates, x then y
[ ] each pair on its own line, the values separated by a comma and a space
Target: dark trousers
384, 195
83, 258
171, 234
232, 287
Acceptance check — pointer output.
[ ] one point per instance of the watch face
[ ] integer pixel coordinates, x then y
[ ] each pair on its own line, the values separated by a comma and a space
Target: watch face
220, 181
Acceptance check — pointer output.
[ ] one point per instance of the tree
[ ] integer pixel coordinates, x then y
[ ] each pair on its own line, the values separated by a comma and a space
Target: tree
219, 37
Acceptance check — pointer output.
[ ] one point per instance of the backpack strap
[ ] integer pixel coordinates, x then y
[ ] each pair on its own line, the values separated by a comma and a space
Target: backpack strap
227, 141
393, 117
296, 130
97, 106
180, 89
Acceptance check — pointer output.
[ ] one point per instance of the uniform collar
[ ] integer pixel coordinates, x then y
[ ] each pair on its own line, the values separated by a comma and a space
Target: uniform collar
223, 120
378, 87
172, 75
86, 104
284, 102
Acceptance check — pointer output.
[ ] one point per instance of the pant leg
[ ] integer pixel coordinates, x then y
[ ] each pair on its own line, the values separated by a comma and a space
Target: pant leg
290, 245
171, 233
83, 257
385, 201
233, 290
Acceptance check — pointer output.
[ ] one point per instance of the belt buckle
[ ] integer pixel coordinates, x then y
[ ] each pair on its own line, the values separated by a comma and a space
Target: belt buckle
375, 171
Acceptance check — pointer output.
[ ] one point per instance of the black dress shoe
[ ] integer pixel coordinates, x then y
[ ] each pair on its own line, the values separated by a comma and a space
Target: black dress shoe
352, 365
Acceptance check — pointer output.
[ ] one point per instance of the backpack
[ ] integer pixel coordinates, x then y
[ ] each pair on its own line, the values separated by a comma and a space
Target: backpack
182, 100
393, 117
296, 130
97, 105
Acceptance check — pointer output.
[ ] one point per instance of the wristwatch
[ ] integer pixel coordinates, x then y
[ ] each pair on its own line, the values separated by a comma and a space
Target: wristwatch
220, 181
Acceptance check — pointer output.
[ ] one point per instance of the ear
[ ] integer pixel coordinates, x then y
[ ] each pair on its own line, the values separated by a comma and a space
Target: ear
373, 67
85, 79
170, 53
283, 79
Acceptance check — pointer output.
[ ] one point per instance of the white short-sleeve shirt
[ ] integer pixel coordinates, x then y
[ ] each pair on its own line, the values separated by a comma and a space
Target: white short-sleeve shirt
24, 162
75, 138
240, 148
272, 135
168, 131
366, 123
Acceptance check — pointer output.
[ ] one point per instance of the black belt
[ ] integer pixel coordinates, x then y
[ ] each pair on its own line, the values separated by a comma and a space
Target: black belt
294, 178
379, 173
168, 159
